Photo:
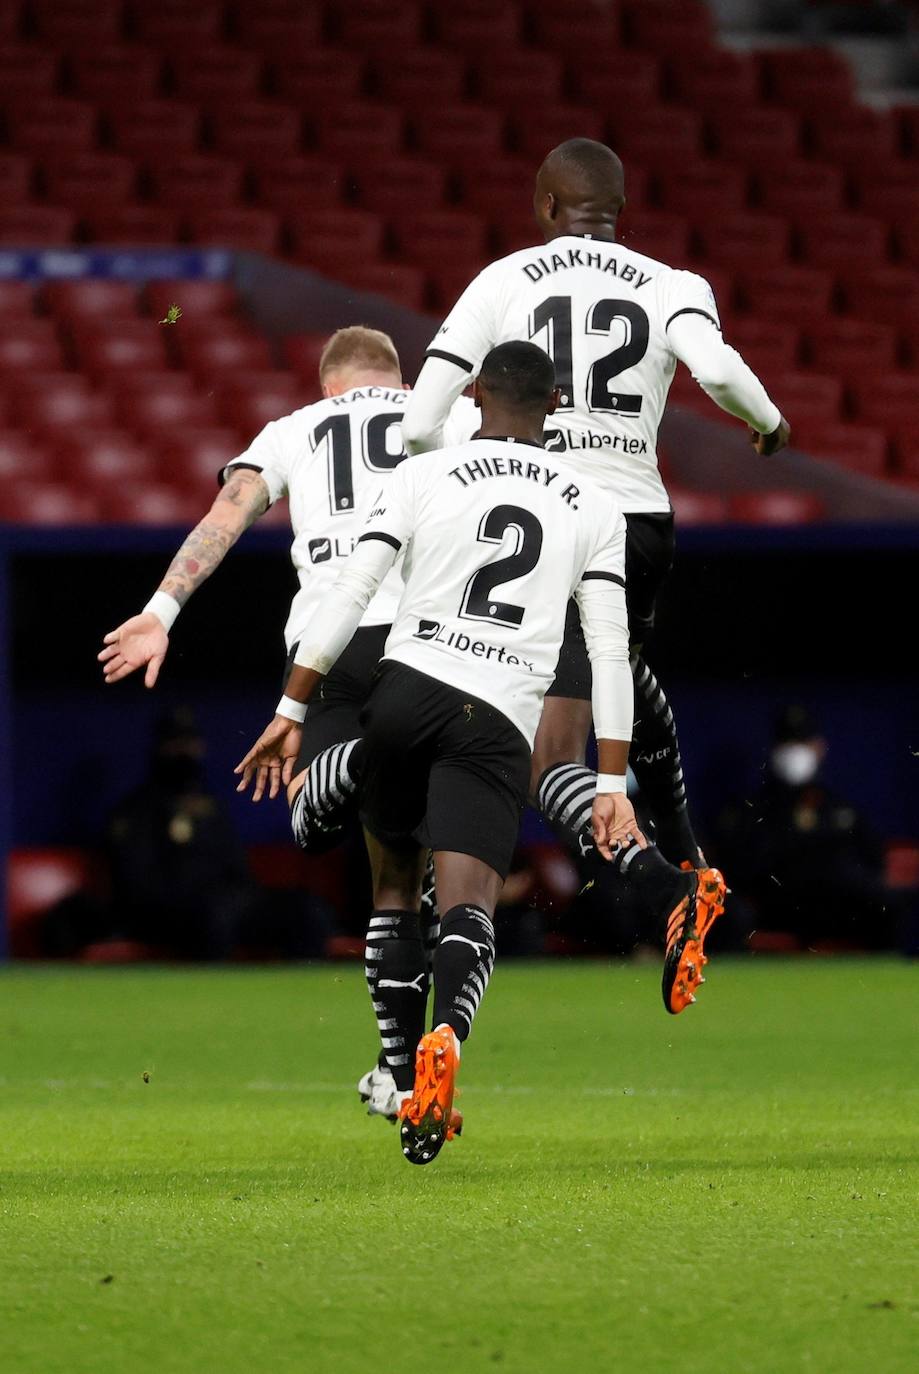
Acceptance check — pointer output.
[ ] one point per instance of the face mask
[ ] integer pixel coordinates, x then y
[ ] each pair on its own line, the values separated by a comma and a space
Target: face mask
795, 764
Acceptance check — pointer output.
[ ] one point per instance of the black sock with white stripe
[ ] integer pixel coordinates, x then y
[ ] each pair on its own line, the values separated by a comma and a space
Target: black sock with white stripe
656, 763
565, 795
321, 807
398, 981
430, 916
463, 962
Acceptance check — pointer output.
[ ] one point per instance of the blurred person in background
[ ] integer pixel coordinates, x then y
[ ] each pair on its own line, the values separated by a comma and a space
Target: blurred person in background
801, 856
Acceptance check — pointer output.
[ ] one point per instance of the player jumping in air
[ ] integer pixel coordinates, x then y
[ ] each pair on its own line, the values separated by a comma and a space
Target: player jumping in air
497, 534
615, 323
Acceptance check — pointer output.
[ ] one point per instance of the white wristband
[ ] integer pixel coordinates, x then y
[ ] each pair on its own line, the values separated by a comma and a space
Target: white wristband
612, 782
165, 608
293, 710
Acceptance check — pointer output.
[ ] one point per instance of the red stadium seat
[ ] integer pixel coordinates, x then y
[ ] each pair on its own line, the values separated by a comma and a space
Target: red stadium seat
212, 354
576, 32
52, 126
698, 507
890, 398
661, 236
191, 23
302, 352
811, 78
618, 78
841, 242
252, 129
115, 73
249, 410
90, 180
143, 382
376, 22
714, 81
27, 70
135, 224
752, 133
884, 293
344, 233
852, 137
30, 344
359, 131
907, 117
399, 187
278, 26
421, 79
460, 135
198, 182
767, 346
150, 503
99, 458
535, 131
77, 22
509, 79
156, 413
216, 73
657, 138
504, 177
194, 458
246, 229
799, 295
431, 235
855, 447
157, 131
126, 345
323, 76
776, 507
802, 190
671, 26
808, 397
196, 299
851, 348
23, 457
744, 242
294, 185
716, 188
91, 298
64, 412
15, 178
470, 31
17, 298
39, 503
403, 285
24, 225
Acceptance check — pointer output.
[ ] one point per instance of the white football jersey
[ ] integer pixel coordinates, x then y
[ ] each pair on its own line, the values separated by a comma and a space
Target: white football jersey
601, 311
328, 459
497, 535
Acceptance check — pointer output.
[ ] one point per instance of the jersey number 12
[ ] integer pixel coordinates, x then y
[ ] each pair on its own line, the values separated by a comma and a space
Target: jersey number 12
554, 316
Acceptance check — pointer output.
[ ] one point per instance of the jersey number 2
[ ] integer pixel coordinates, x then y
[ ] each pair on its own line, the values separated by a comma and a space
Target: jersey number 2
554, 316
376, 453
478, 600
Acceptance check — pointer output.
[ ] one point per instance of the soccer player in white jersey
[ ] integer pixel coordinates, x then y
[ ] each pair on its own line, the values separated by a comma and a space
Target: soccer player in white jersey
615, 323
497, 534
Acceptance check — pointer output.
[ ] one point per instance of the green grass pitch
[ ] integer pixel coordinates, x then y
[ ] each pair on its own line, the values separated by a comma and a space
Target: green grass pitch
731, 1190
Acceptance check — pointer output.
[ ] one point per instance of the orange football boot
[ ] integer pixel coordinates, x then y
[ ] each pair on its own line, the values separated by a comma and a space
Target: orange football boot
687, 927
428, 1118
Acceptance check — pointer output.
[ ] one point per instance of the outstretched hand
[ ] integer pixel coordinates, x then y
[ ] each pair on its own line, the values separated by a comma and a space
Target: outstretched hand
270, 761
139, 641
613, 823
767, 444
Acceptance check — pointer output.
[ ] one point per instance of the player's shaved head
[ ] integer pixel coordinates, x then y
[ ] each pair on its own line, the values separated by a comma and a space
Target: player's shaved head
580, 189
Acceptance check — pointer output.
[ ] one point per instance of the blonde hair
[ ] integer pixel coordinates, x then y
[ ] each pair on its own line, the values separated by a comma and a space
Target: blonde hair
356, 348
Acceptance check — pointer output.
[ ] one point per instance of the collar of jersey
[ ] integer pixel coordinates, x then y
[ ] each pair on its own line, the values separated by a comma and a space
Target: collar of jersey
507, 439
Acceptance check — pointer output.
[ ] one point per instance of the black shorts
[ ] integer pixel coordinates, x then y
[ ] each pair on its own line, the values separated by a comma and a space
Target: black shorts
335, 710
648, 560
441, 768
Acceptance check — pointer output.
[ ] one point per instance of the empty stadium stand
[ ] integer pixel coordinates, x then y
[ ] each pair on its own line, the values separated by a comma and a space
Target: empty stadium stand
393, 147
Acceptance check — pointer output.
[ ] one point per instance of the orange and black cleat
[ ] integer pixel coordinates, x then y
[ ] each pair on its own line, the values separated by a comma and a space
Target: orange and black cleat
428, 1118
687, 927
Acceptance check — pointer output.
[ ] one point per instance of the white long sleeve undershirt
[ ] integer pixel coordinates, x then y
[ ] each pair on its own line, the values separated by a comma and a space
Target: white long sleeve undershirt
605, 623
438, 386
721, 372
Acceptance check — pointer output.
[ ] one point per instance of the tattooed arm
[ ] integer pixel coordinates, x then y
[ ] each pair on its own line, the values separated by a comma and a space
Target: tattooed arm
143, 640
